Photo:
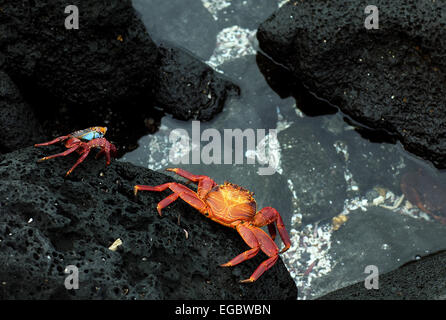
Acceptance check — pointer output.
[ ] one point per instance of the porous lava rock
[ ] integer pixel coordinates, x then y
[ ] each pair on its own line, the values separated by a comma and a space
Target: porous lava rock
106, 72
49, 222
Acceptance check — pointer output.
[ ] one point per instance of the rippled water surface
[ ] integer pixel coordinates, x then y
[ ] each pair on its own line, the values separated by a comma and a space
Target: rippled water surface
339, 194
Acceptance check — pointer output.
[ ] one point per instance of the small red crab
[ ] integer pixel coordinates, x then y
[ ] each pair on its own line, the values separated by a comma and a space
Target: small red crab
231, 206
82, 142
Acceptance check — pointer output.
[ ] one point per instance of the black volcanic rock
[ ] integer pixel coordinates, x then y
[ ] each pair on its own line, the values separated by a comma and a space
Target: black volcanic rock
108, 72
109, 58
391, 78
18, 124
48, 222
189, 89
417, 280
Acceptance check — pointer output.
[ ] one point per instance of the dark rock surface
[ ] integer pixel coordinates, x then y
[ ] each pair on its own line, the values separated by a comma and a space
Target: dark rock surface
188, 88
18, 125
285, 84
48, 222
390, 79
108, 72
418, 280
108, 59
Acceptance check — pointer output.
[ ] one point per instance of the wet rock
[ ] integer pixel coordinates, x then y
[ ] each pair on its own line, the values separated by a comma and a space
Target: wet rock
315, 170
373, 237
18, 123
285, 84
49, 222
389, 79
246, 13
187, 24
427, 191
371, 165
256, 98
188, 88
417, 280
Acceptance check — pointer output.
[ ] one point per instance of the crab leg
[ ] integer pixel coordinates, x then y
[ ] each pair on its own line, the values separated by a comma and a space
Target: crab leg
81, 158
99, 154
269, 248
265, 265
194, 201
182, 191
166, 201
269, 216
251, 240
105, 148
205, 184
272, 230
170, 185
107, 154
248, 254
283, 233
62, 138
66, 152
187, 174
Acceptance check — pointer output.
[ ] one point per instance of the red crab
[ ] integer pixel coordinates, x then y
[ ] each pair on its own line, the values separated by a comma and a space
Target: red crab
82, 142
231, 206
427, 192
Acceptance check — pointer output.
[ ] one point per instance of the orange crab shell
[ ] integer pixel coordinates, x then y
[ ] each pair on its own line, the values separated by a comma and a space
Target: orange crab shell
230, 202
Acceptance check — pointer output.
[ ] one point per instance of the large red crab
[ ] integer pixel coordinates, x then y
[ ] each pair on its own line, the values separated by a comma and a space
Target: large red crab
231, 206
82, 142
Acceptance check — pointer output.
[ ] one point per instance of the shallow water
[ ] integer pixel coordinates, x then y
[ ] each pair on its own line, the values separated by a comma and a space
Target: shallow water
338, 193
